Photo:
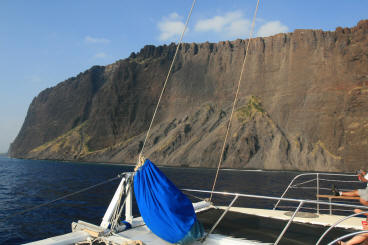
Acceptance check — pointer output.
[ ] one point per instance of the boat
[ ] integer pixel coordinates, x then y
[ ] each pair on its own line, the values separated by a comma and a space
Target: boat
323, 215
150, 227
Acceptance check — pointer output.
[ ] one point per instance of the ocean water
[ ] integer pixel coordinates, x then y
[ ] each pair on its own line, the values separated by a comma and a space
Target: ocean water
27, 183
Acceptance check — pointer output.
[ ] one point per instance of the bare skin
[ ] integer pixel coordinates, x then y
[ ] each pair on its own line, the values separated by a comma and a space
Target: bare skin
355, 193
358, 239
361, 238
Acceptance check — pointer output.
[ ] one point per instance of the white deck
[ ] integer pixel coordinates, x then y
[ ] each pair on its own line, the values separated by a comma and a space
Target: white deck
143, 234
322, 219
140, 232
69, 238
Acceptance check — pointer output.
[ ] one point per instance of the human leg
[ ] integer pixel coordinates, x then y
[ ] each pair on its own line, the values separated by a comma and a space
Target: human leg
356, 239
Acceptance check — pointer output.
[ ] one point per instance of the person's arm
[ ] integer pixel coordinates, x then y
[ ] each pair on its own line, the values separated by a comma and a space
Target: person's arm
362, 175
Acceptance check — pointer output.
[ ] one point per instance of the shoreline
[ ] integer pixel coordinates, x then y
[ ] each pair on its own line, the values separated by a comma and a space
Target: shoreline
175, 166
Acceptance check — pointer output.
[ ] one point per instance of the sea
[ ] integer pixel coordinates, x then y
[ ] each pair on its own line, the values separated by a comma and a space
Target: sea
25, 184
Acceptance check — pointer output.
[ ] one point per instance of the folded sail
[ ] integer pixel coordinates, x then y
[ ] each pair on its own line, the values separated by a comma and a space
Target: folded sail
166, 210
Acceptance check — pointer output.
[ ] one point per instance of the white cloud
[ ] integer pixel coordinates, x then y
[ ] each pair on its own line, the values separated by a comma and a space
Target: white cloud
174, 16
170, 27
271, 28
89, 39
230, 25
239, 28
217, 23
100, 55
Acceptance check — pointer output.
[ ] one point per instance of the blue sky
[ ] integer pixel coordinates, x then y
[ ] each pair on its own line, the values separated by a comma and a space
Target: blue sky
45, 42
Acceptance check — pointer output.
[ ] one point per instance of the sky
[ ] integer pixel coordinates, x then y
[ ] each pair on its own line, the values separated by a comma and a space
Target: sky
45, 42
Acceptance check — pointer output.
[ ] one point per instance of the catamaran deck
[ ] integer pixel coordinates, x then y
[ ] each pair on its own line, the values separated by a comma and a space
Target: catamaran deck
139, 233
241, 225
302, 217
147, 237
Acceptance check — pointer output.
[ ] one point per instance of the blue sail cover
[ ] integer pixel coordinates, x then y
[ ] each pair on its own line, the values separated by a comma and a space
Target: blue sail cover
166, 210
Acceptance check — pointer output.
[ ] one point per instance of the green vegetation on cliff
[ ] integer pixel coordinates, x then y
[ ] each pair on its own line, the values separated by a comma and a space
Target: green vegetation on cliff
248, 111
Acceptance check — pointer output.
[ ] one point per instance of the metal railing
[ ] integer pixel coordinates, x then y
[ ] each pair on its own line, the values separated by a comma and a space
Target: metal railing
338, 222
315, 177
347, 236
300, 202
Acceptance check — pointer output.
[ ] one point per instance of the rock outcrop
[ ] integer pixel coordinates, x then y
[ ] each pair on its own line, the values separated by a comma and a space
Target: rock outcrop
303, 106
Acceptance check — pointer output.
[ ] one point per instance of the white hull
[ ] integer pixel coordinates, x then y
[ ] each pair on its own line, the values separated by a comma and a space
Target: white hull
69, 238
139, 232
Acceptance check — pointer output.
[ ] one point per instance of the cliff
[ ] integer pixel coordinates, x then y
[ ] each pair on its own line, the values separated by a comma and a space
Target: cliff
303, 106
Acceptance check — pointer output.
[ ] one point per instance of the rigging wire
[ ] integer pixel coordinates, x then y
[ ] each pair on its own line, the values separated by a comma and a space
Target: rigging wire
167, 77
235, 100
60, 198
114, 218
194, 196
147, 135
141, 159
118, 211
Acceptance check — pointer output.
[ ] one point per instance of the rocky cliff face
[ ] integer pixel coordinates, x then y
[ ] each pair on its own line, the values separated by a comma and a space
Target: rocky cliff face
303, 106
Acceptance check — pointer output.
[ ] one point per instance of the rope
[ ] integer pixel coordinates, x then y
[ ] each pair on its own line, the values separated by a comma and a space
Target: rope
199, 198
141, 158
117, 214
62, 197
167, 77
235, 100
